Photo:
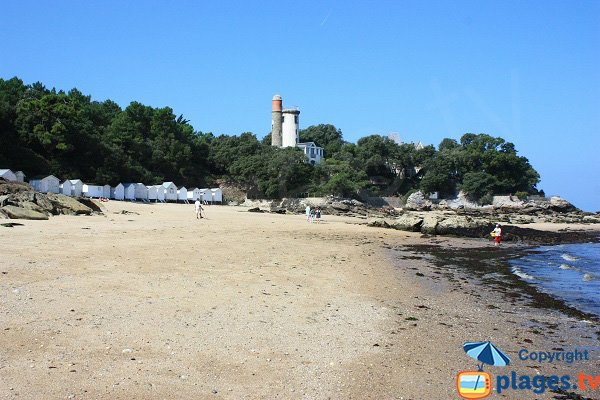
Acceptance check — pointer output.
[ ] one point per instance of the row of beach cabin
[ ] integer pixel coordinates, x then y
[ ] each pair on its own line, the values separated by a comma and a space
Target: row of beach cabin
168, 191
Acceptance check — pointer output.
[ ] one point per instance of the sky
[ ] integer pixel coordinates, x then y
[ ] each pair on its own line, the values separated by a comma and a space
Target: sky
526, 71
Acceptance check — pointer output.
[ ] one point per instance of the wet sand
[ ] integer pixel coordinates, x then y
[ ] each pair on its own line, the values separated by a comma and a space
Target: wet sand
154, 304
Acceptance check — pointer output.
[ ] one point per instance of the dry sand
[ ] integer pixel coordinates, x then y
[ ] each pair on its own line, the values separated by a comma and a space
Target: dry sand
159, 305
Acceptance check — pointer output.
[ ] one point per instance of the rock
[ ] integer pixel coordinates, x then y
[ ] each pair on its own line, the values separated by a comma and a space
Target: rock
4, 200
409, 223
42, 200
64, 204
379, 223
430, 222
464, 226
418, 202
560, 205
15, 212
591, 220
91, 203
255, 210
28, 205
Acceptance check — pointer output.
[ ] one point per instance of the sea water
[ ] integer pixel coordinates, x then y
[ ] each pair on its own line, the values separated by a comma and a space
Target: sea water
570, 272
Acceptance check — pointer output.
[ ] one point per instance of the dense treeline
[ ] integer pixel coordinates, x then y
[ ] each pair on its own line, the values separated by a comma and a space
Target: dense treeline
49, 131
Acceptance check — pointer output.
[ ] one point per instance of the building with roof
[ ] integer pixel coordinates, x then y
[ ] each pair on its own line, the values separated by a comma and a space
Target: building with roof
285, 130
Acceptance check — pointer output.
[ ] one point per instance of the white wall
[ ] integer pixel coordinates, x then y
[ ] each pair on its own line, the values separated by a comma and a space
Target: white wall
289, 130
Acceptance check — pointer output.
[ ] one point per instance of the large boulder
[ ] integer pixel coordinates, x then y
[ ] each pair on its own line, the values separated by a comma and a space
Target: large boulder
15, 212
464, 226
418, 202
67, 205
430, 223
561, 205
411, 223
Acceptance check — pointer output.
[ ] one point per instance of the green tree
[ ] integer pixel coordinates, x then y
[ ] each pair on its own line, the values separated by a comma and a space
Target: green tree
324, 135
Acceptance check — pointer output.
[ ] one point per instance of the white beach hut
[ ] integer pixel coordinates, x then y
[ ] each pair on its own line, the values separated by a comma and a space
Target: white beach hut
216, 196
92, 190
20, 176
8, 175
156, 193
170, 191
182, 194
141, 192
117, 192
194, 194
72, 187
106, 191
204, 195
129, 191
48, 184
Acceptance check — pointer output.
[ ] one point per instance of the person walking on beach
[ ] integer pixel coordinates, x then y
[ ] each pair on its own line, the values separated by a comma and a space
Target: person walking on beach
198, 208
497, 233
308, 213
318, 215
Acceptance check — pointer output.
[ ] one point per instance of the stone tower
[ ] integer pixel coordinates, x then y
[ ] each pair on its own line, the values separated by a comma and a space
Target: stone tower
276, 115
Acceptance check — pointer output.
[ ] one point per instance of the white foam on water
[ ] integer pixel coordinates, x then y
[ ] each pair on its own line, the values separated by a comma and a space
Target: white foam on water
523, 275
569, 257
565, 266
588, 277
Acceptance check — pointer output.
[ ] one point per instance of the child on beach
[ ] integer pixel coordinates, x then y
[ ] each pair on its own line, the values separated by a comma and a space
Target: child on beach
318, 215
198, 208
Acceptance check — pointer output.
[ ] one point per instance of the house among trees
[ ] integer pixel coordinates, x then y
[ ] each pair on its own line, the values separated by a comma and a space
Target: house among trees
48, 184
72, 187
8, 175
312, 151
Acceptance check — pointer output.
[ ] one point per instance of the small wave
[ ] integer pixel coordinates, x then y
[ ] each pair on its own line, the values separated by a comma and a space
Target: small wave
523, 275
565, 266
569, 257
588, 277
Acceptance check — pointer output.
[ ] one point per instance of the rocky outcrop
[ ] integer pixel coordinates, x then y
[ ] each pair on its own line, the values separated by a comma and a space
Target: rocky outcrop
411, 223
67, 205
20, 201
15, 212
418, 202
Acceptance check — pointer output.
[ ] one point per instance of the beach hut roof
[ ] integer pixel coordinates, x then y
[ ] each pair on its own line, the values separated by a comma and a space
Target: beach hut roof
75, 181
3, 171
167, 184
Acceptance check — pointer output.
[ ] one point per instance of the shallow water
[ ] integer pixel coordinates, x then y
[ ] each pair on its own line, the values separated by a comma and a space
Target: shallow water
570, 272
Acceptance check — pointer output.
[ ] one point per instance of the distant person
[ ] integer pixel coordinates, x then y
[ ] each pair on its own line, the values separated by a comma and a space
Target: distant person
198, 208
311, 218
308, 213
497, 234
318, 215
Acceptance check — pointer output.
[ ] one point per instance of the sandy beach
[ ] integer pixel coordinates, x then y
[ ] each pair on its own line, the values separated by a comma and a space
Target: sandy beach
147, 302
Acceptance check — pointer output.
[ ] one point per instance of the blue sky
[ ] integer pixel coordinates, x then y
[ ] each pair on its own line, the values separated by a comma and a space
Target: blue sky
527, 71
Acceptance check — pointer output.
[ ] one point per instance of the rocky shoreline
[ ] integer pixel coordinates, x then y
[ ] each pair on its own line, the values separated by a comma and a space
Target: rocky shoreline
457, 217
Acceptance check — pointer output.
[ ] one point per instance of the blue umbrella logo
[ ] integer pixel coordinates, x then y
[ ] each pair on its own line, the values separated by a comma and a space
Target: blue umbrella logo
486, 353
